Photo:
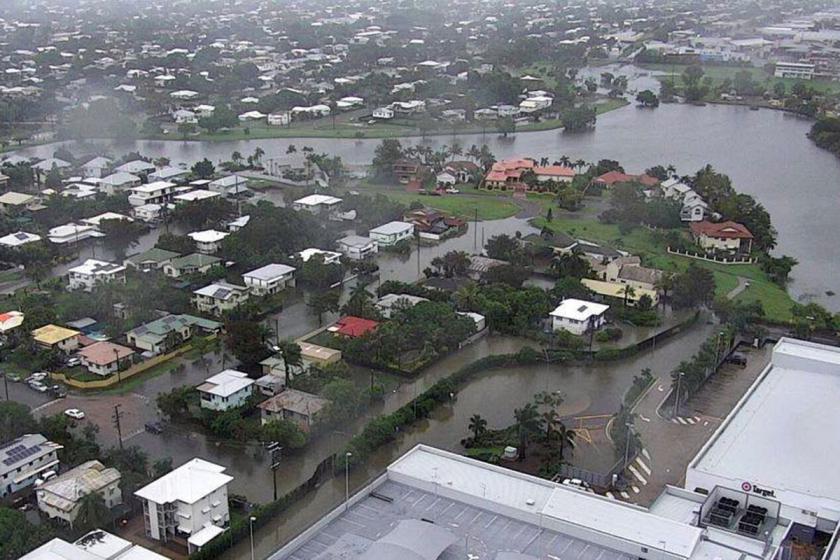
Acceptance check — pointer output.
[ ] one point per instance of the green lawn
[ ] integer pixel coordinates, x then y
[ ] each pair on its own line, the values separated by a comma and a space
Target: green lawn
775, 300
462, 205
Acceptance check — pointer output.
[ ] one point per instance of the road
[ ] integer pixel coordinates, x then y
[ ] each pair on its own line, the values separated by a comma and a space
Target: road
670, 443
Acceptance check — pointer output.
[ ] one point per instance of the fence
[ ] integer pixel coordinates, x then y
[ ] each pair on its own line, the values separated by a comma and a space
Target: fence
707, 258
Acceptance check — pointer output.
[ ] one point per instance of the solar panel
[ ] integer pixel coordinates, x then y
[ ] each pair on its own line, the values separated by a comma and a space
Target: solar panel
581, 309
221, 293
21, 236
19, 453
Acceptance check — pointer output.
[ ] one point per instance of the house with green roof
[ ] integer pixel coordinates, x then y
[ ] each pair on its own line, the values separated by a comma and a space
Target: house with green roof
153, 259
164, 334
195, 263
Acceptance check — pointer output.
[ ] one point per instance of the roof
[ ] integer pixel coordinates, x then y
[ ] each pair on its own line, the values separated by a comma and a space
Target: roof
307, 254
10, 320
194, 260
155, 255
111, 547
411, 539
300, 402
220, 290
578, 310
208, 236
64, 492
20, 451
120, 178
269, 272
776, 436
104, 353
721, 230
555, 171
205, 535
189, 483
355, 326
94, 267
226, 383
151, 188
194, 195
617, 290
97, 220
18, 239
614, 177
355, 241
392, 228
15, 198
159, 328
58, 549
317, 200
53, 334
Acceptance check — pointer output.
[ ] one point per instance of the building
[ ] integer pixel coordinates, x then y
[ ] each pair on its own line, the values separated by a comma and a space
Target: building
330, 257
406, 170
431, 504
190, 503
270, 279
320, 204
54, 336
390, 234
619, 291
208, 241
105, 358
137, 167
169, 173
629, 270
23, 460
72, 233
555, 173
356, 247
96, 221
353, 327
148, 212
92, 273
578, 316
388, 304
164, 334
16, 201
796, 70
722, 236
780, 440
225, 390
119, 182
60, 498
157, 192
613, 178
96, 167
10, 320
280, 118
507, 172
153, 259
96, 545
196, 195
230, 186
296, 406
383, 113
194, 263
219, 297
311, 355
15, 240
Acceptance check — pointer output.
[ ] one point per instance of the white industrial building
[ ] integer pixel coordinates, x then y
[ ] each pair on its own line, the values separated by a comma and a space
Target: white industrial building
190, 503
578, 316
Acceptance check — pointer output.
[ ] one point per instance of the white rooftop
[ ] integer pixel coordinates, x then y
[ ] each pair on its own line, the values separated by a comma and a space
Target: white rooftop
578, 309
188, 483
270, 272
93, 267
198, 194
153, 187
208, 236
307, 254
783, 434
392, 227
317, 200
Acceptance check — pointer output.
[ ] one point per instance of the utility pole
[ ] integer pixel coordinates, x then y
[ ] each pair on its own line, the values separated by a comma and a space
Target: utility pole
475, 233
116, 418
276, 454
677, 402
418, 254
6, 384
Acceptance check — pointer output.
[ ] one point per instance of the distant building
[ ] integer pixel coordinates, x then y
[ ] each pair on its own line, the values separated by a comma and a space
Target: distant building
208, 241
796, 70
356, 247
219, 297
23, 460
153, 259
19, 239
105, 358
194, 263
330, 257
722, 236
60, 498
164, 334
157, 192
55, 336
321, 204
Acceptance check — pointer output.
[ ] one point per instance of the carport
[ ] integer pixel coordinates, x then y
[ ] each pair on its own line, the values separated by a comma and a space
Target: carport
411, 539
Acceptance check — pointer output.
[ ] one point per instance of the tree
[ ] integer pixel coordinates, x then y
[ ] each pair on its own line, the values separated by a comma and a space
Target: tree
186, 129
477, 426
388, 152
284, 432
527, 425
161, 467
502, 247
175, 403
291, 354
647, 98
246, 340
693, 287
18, 536
93, 513
505, 126
566, 438
120, 235
15, 421
324, 302
629, 293
571, 264
359, 303
203, 169
579, 118
778, 268
468, 297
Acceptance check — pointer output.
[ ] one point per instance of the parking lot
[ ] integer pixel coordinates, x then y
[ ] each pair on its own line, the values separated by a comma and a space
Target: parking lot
135, 410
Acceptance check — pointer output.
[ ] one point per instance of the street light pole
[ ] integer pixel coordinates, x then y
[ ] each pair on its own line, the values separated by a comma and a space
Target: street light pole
627, 443
677, 402
347, 480
251, 524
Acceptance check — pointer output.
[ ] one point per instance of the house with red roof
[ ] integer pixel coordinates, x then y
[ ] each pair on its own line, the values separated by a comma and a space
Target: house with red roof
612, 178
556, 173
353, 327
722, 236
508, 173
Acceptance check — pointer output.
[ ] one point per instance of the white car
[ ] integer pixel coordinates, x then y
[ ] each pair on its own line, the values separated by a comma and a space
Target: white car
452, 190
74, 413
38, 376
38, 386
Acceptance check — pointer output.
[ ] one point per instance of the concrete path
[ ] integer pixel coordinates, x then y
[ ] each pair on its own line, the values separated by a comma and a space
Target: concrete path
736, 291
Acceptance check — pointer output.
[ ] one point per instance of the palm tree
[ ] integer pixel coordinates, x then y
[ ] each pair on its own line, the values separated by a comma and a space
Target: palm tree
664, 285
565, 160
358, 301
566, 437
468, 297
236, 157
579, 164
290, 352
93, 512
477, 426
629, 292
474, 153
258, 154
550, 421
527, 424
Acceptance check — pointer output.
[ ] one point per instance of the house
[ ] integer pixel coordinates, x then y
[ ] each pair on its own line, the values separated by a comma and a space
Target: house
14, 240
272, 383
47, 165
479, 319
61, 497
96, 221
251, 116
406, 170
10, 320
722, 236
463, 171
507, 172
219, 297
153, 259
136, 167
270, 279
629, 270
674, 189
578, 316
431, 224
229, 186
157, 192
190, 502
619, 291
311, 355
169, 173
226, 390
388, 304
295, 406
330, 257
235, 225
694, 208
12, 200
96, 167
612, 178
354, 247
353, 327
194, 263
104, 358
383, 113
280, 118
92, 273
196, 195
556, 173
96, 545
320, 204
208, 241
390, 234
118, 182
23, 460
164, 334
444, 178
53, 336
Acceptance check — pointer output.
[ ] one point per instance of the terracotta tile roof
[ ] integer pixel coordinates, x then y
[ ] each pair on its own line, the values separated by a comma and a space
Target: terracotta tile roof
104, 353
722, 230
355, 326
555, 170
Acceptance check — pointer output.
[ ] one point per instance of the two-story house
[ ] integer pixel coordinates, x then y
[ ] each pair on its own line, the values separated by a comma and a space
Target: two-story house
270, 279
190, 503
56, 337
93, 273
219, 297
299, 407
722, 236
225, 390
23, 460
61, 497
194, 263
320, 204
157, 192
357, 248
392, 233
208, 241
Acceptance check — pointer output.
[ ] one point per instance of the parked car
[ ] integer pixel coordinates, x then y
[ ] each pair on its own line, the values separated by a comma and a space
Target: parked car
45, 476
73, 362
452, 190
74, 413
154, 428
38, 386
738, 359
37, 376
578, 483
58, 392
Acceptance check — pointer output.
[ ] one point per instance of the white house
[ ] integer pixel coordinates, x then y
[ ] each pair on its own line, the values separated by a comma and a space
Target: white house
674, 189
18, 239
280, 118
190, 502
119, 181
387, 304
168, 173
96, 167
319, 204
208, 241
384, 113
137, 167
578, 316
694, 208
251, 116
61, 497
72, 233
230, 185
330, 257
357, 247
270, 279
93, 273
225, 390
96, 221
219, 297
147, 212
23, 460
392, 233
156, 192
196, 195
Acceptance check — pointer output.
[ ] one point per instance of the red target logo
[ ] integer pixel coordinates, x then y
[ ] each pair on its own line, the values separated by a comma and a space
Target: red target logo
746, 487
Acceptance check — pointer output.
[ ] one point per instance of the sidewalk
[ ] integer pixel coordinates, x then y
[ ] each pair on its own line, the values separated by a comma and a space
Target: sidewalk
670, 443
